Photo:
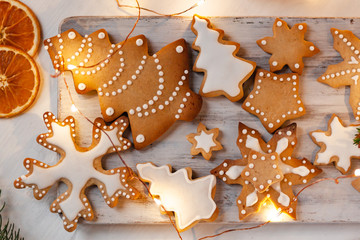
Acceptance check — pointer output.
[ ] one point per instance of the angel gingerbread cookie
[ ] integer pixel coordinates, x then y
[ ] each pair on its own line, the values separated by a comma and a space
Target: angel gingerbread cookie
287, 46
336, 144
79, 168
204, 141
224, 72
274, 99
191, 200
347, 72
266, 171
152, 89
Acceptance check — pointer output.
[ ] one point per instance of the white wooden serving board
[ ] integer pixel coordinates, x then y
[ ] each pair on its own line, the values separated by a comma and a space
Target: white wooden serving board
322, 203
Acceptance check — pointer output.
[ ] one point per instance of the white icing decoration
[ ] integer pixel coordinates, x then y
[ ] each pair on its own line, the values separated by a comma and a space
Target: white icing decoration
283, 199
81, 86
205, 141
139, 42
353, 60
253, 143
78, 168
140, 138
101, 35
355, 78
110, 111
225, 73
234, 171
339, 143
252, 198
71, 35
191, 200
179, 49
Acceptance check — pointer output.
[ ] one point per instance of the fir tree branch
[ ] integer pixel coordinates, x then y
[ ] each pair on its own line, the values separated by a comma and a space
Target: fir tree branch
8, 231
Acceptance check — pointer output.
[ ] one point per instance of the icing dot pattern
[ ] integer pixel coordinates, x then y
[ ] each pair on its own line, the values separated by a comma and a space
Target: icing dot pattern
269, 110
72, 208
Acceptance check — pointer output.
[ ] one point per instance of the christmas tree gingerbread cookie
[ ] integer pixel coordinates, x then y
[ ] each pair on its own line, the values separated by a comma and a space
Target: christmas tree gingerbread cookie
79, 168
266, 171
224, 72
287, 46
204, 141
152, 89
191, 200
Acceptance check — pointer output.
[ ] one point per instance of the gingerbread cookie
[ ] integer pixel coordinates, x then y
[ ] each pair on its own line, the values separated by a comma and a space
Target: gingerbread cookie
153, 90
79, 168
204, 141
336, 144
224, 72
347, 72
274, 99
190, 200
267, 170
287, 46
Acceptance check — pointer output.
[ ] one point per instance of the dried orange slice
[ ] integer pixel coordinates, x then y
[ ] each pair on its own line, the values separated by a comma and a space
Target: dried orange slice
19, 26
19, 81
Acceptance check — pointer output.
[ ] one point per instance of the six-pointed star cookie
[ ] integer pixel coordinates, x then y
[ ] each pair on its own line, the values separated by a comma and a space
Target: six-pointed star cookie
347, 72
287, 46
336, 144
204, 141
274, 99
225, 73
294, 171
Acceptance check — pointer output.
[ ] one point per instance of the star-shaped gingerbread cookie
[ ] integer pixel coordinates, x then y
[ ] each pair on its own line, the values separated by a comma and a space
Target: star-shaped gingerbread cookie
287, 46
347, 72
204, 141
336, 144
274, 99
280, 176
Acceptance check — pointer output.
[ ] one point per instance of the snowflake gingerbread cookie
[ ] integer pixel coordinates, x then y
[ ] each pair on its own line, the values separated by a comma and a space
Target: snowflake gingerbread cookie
347, 72
266, 171
79, 168
274, 99
224, 72
153, 90
191, 200
287, 46
336, 144
204, 141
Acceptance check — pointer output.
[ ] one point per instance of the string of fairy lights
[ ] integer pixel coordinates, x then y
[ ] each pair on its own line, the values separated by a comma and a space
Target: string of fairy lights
271, 215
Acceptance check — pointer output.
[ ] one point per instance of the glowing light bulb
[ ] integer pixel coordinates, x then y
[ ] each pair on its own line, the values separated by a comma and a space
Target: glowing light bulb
157, 201
71, 67
357, 172
273, 214
73, 108
200, 2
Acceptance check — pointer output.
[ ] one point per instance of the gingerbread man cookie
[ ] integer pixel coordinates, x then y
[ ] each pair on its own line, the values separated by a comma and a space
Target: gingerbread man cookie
267, 170
79, 168
224, 72
204, 141
152, 89
191, 200
287, 46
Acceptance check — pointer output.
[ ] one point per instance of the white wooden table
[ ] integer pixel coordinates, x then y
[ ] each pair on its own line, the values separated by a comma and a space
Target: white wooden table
18, 138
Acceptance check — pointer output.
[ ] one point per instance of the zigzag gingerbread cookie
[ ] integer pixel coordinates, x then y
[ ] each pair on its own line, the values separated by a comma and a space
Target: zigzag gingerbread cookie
153, 90
79, 168
267, 170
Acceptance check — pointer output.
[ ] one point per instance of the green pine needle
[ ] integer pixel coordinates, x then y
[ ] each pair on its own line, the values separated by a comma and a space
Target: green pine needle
8, 231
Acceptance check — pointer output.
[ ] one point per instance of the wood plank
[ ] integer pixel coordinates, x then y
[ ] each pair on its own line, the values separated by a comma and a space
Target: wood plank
326, 202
